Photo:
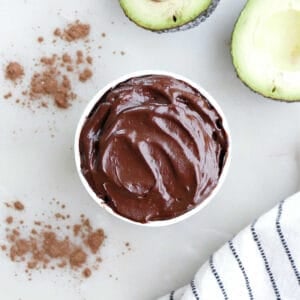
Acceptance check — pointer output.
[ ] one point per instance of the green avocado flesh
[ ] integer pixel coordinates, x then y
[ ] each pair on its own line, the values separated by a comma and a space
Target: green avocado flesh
266, 48
163, 14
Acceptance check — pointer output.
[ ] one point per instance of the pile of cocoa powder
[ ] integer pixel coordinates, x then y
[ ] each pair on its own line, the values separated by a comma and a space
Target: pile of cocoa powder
51, 74
56, 243
73, 31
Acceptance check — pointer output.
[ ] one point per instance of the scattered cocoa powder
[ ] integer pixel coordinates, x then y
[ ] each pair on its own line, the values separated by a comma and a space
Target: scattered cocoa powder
85, 75
57, 32
9, 220
77, 258
49, 83
95, 240
73, 31
8, 95
48, 60
60, 216
87, 272
76, 229
18, 205
46, 248
14, 71
89, 60
70, 69
79, 60
50, 79
66, 58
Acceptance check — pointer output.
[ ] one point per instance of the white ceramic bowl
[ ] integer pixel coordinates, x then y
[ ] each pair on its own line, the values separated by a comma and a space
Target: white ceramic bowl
92, 104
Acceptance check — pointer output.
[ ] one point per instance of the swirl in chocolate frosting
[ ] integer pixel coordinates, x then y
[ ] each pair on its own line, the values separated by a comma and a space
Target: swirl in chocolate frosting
153, 148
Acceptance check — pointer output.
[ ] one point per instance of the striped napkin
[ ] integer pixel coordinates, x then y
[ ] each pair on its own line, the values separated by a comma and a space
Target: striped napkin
262, 262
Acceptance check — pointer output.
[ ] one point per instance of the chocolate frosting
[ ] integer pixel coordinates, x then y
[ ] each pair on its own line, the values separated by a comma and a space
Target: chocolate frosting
153, 148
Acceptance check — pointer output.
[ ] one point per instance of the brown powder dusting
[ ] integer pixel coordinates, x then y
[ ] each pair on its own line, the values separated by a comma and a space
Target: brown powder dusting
19, 248
49, 83
66, 58
46, 247
76, 229
87, 272
73, 31
80, 59
9, 220
70, 69
60, 216
95, 240
14, 71
48, 60
89, 60
85, 75
8, 95
55, 248
57, 32
77, 258
50, 80
32, 264
18, 205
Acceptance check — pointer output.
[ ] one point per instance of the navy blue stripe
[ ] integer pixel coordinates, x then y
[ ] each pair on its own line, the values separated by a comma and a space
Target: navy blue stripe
172, 295
266, 263
217, 276
194, 290
236, 256
284, 242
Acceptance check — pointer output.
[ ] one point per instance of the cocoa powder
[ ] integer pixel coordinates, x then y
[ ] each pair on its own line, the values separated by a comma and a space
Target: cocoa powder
14, 71
52, 84
66, 58
77, 258
87, 272
73, 31
8, 95
9, 220
50, 79
80, 59
95, 240
18, 205
47, 248
89, 60
85, 75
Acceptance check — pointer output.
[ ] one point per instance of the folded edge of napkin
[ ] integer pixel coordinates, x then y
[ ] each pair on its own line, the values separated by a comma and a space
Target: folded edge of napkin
261, 262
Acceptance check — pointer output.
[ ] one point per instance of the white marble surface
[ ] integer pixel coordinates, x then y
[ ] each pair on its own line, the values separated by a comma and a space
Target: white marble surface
35, 167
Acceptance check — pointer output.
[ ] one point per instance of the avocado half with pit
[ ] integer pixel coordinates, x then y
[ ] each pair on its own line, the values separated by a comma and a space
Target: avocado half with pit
168, 15
266, 48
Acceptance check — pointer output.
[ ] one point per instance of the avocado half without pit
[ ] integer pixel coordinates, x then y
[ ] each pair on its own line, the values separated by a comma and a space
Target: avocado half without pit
168, 15
266, 48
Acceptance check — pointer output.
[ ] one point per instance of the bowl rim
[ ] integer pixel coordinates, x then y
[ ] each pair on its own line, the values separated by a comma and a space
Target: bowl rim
89, 107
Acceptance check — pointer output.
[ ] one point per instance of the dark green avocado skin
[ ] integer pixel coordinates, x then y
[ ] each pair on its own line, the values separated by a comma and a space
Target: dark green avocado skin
201, 18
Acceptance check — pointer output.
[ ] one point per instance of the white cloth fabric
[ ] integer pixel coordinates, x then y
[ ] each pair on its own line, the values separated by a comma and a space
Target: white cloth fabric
262, 262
